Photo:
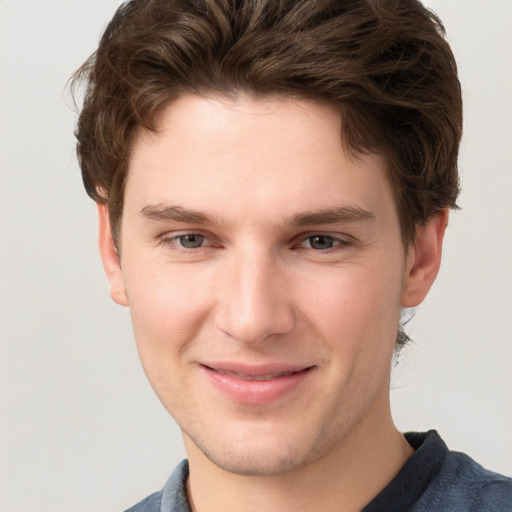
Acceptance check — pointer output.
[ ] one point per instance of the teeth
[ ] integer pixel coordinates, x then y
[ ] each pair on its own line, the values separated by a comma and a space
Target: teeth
267, 376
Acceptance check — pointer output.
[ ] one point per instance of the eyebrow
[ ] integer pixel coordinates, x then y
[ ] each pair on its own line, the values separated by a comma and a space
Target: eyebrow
176, 213
343, 215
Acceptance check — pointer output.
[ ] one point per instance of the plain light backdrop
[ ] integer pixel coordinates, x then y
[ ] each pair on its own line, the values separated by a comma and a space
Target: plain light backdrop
80, 428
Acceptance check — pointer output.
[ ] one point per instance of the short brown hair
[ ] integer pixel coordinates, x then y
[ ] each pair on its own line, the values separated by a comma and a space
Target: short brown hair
383, 63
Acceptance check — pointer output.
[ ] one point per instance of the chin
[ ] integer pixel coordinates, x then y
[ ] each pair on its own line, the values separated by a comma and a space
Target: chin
255, 463
262, 453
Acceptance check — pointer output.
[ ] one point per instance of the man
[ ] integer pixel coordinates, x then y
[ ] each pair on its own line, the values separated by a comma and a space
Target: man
273, 181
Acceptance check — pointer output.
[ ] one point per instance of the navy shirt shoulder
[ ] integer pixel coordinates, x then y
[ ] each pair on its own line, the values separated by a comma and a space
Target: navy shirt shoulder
434, 479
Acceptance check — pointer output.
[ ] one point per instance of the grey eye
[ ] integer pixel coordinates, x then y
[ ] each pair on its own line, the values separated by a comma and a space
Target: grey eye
321, 242
191, 241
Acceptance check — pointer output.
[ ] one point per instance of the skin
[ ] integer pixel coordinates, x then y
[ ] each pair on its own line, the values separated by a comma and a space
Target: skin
265, 278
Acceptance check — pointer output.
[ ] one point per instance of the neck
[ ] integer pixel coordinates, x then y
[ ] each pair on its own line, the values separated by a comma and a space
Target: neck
346, 479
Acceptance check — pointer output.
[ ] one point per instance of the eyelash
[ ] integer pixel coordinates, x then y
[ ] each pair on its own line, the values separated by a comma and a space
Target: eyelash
173, 242
339, 243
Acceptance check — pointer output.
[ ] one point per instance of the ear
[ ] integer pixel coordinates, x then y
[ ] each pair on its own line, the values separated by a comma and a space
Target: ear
110, 257
423, 260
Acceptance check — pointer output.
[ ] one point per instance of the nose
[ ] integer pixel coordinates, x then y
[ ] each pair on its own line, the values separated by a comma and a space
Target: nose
253, 299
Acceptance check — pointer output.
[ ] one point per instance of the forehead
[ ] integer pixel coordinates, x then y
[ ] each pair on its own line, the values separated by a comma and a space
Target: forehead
246, 121
266, 154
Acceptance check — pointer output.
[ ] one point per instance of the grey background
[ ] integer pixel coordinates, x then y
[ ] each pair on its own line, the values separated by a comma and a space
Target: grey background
80, 428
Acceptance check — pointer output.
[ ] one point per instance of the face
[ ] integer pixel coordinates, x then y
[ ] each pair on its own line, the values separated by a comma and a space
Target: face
265, 272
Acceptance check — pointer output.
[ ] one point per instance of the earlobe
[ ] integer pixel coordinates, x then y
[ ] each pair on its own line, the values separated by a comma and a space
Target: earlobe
423, 260
110, 257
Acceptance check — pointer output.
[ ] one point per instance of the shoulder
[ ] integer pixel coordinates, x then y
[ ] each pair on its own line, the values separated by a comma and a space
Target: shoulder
172, 497
465, 481
149, 504
459, 483
449, 481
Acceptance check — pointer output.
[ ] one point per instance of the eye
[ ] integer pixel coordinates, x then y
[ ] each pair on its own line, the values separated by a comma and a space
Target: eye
322, 242
191, 240
188, 244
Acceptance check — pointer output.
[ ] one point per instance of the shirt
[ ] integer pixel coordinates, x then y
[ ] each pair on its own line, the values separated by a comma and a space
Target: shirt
434, 479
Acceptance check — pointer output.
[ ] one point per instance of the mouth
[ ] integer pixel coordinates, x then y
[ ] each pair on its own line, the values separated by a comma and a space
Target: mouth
256, 385
257, 377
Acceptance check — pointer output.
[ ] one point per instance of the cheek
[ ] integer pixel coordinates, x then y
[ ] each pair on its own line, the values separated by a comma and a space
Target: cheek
356, 307
167, 307
168, 313
359, 323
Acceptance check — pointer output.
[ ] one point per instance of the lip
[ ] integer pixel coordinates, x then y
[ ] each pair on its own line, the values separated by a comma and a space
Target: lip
255, 384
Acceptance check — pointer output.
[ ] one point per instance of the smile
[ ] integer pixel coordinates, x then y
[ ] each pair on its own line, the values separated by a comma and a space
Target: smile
256, 385
262, 377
